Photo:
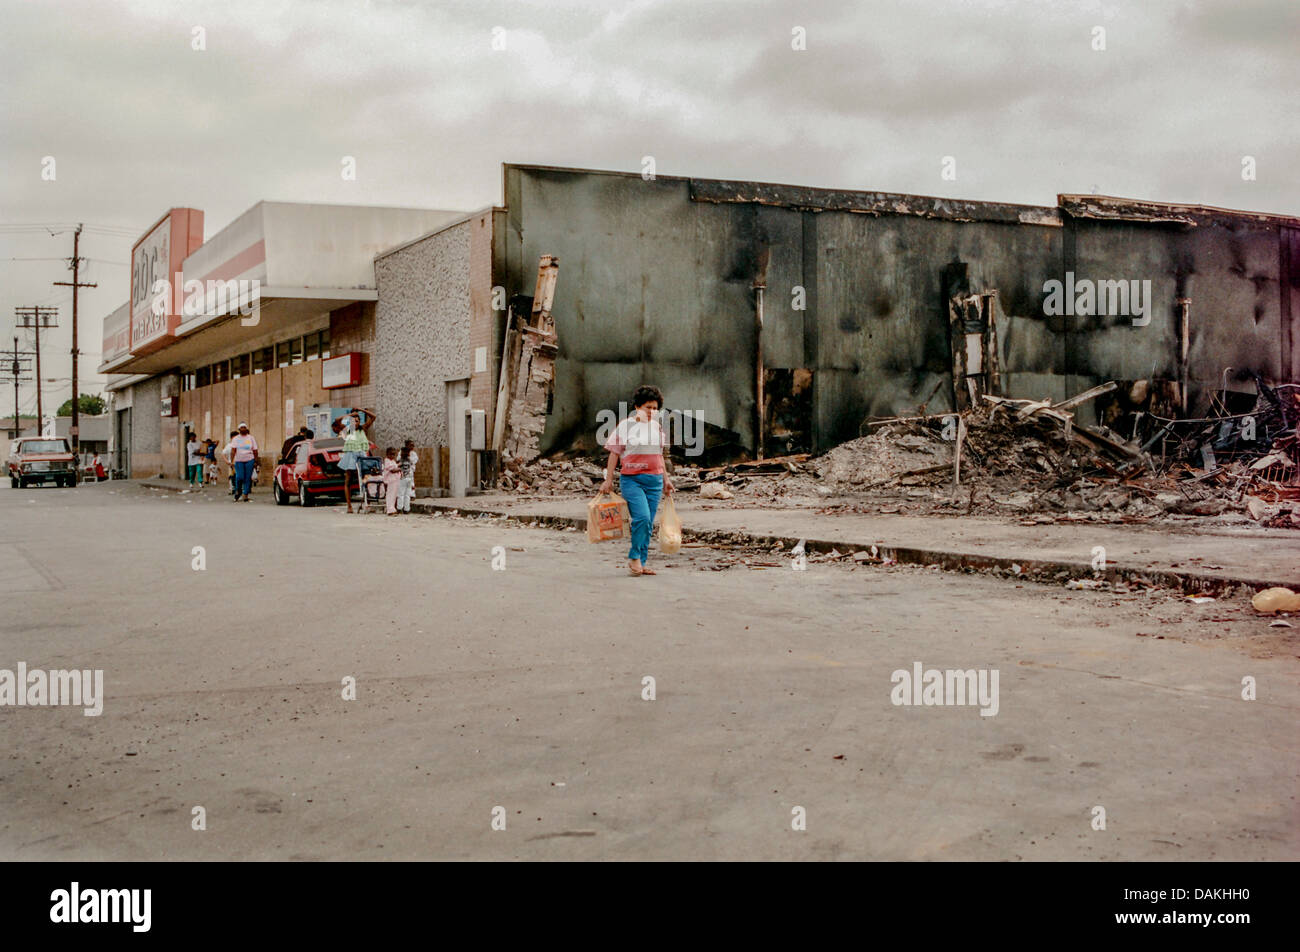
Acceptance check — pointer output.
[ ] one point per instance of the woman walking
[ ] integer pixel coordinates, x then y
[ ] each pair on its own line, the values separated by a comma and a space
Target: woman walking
244, 457
640, 444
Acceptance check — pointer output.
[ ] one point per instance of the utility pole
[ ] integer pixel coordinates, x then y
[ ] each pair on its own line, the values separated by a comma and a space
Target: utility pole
37, 317
75, 430
16, 360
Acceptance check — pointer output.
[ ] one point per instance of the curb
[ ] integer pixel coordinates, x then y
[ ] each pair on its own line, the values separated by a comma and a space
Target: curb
1034, 570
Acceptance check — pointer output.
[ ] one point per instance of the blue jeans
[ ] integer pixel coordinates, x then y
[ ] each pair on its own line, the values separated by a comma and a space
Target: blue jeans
642, 492
243, 477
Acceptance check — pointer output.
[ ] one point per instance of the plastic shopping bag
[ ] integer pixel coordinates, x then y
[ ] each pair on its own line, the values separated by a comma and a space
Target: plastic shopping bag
608, 518
670, 529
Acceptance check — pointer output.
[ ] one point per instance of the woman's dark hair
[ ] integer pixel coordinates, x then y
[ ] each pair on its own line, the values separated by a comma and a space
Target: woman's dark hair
645, 394
391, 451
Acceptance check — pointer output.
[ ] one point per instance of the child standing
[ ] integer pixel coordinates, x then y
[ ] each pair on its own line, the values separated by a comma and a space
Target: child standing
392, 474
406, 487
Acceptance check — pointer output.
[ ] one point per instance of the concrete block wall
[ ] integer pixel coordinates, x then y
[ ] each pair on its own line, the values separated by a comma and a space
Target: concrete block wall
422, 335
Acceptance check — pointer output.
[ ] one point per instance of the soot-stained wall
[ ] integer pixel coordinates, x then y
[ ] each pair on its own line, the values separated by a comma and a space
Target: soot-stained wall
655, 286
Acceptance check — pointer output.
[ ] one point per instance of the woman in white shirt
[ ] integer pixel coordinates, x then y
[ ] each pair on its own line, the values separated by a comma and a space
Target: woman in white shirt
639, 443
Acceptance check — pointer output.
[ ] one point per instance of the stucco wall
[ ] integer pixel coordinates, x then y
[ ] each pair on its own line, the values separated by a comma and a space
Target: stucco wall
422, 335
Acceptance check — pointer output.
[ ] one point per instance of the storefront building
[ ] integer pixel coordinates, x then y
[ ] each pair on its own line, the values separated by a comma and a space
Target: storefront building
270, 322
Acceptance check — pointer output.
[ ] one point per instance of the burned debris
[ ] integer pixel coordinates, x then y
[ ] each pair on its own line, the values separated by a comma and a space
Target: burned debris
1032, 458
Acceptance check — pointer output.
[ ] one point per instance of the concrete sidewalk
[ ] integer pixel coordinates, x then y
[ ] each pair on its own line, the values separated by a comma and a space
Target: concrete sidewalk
1199, 561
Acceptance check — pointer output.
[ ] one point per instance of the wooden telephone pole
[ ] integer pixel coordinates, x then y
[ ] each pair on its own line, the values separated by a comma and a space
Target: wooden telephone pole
75, 429
18, 364
34, 318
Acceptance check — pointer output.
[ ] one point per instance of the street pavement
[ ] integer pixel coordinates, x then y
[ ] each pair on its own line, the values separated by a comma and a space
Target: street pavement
226, 633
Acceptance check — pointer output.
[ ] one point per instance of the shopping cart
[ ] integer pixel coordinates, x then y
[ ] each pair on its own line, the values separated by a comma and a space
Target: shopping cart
371, 480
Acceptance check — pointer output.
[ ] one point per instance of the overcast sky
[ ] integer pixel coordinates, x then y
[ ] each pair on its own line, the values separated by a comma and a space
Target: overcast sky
138, 120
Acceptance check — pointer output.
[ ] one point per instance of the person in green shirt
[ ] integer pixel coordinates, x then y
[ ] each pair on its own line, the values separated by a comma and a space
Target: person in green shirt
354, 428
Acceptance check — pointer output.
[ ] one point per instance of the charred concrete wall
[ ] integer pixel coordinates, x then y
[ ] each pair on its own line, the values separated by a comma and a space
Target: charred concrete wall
655, 285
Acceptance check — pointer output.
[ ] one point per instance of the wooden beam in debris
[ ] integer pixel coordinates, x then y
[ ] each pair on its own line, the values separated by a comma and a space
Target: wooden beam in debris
509, 360
548, 268
534, 375
1087, 395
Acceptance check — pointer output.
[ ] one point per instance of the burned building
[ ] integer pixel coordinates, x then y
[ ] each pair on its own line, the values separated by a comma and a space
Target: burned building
839, 306
826, 308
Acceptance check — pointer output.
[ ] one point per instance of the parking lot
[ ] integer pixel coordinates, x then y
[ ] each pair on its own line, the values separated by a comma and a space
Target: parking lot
227, 634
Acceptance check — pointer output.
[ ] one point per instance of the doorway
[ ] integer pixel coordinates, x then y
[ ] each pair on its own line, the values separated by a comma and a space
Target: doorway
121, 459
460, 476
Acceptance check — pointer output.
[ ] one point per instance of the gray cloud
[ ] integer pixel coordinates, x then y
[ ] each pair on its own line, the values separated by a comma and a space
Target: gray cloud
138, 121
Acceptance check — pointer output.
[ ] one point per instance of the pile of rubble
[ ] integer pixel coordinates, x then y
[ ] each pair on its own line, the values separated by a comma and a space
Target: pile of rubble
1014, 456
550, 477
1032, 456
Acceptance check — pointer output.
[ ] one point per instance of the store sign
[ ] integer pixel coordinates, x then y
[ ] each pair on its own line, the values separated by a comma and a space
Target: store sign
150, 262
341, 371
117, 335
155, 265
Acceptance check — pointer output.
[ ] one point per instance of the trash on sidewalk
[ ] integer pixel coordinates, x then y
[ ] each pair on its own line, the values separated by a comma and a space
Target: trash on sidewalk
1272, 600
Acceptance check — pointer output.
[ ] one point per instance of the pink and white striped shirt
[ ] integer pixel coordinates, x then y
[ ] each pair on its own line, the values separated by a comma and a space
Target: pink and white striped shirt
640, 445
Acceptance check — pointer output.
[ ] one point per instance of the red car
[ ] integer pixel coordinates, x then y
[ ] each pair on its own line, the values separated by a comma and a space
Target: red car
314, 472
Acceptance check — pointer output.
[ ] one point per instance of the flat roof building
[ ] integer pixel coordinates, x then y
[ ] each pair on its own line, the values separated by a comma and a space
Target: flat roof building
240, 327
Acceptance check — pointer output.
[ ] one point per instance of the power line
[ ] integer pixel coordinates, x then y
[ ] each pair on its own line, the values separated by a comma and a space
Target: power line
116, 231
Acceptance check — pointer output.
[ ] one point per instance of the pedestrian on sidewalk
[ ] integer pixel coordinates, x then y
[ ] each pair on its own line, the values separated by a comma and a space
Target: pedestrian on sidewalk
392, 474
406, 461
194, 462
353, 427
98, 465
228, 454
639, 442
244, 455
